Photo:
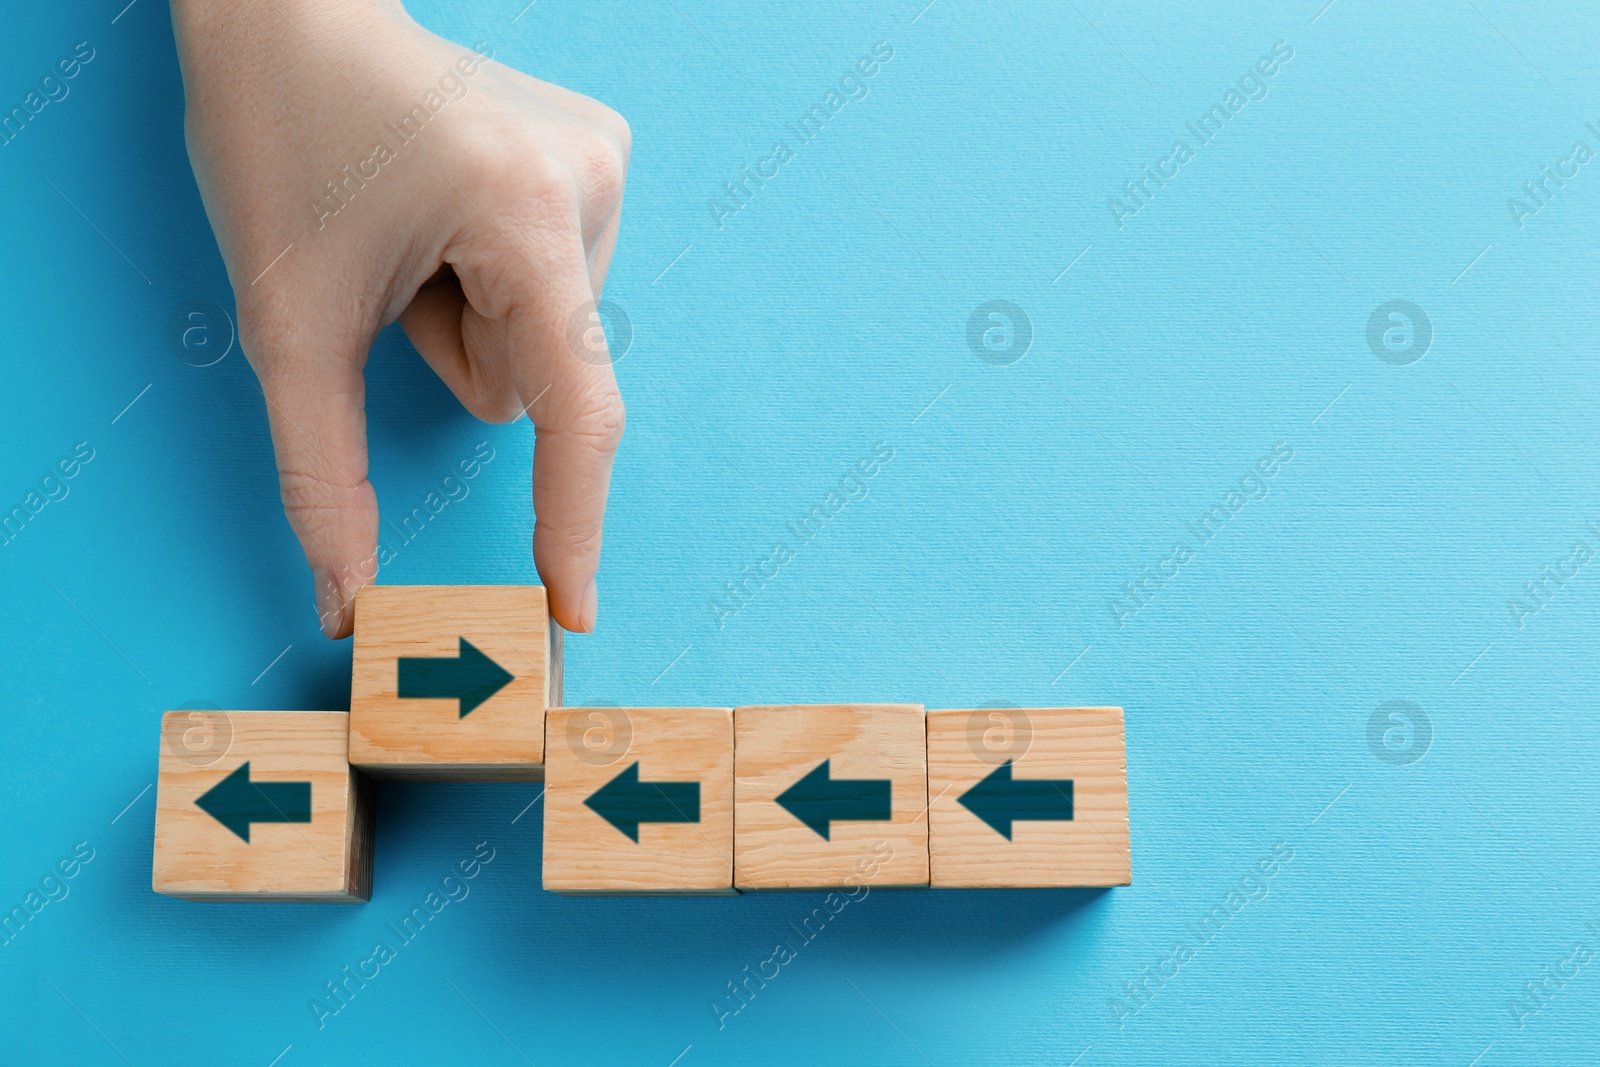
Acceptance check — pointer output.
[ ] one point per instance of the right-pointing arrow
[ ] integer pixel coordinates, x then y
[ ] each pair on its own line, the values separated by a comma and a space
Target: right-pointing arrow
999, 799
469, 678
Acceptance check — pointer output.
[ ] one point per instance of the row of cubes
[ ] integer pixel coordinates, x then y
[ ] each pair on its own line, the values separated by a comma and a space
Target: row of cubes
829, 796
463, 683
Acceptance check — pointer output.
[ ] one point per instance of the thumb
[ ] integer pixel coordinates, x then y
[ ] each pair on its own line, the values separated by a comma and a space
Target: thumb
316, 404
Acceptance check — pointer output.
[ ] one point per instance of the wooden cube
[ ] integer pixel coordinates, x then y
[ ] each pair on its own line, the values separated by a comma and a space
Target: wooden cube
830, 796
451, 682
638, 800
261, 805
1027, 797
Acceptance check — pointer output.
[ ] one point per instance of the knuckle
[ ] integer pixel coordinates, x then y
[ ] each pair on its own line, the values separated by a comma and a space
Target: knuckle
617, 128
281, 321
624, 134
312, 491
570, 536
517, 178
605, 169
262, 331
599, 418
538, 184
319, 507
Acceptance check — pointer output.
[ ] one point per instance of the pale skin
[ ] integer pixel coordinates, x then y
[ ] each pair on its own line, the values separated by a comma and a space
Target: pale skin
485, 228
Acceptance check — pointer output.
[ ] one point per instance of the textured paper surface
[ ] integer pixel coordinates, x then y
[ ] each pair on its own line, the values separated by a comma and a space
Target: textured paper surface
977, 565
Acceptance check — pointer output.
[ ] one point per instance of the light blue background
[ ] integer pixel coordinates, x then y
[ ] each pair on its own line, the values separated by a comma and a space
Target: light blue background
828, 315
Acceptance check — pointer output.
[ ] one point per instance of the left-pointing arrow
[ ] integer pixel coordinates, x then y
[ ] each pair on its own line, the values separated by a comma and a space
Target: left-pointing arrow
819, 800
1000, 799
625, 802
236, 801
470, 678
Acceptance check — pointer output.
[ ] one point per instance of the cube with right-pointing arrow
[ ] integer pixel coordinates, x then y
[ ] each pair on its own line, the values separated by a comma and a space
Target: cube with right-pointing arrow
451, 682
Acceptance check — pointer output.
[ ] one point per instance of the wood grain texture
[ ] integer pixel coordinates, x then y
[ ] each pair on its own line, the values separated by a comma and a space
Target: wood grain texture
586, 748
503, 738
1083, 744
198, 858
776, 746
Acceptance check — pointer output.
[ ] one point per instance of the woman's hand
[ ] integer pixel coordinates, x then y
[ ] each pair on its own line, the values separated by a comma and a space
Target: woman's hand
357, 169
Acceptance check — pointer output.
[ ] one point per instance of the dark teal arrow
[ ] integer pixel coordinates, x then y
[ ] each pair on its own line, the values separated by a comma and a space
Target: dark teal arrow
625, 802
819, 799
236, 801
472, 678
1000, 800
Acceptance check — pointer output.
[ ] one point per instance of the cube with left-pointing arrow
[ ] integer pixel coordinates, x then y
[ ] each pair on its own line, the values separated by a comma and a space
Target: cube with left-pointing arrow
1027, 798
451, 682
260, 805
638, 800
830, 796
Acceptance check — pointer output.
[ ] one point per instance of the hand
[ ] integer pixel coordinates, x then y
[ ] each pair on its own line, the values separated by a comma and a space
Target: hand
358, 169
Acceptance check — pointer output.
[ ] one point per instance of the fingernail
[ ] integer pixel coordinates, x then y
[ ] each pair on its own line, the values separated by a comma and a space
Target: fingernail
330, 603
587, 610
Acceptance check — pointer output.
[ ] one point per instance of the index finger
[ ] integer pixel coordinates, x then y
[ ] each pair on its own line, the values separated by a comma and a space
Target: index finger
562, 371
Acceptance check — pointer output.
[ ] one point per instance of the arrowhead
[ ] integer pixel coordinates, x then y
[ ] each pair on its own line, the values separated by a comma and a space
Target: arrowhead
617, 801
625, 802
806, 799
481, 677
229, 801
990, 801
1001, 800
